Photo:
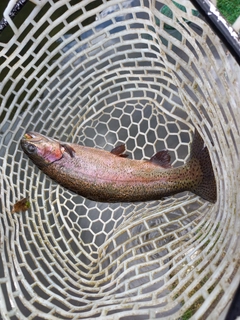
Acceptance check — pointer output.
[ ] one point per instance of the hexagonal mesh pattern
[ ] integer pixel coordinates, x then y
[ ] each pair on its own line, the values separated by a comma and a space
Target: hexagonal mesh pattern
139, 72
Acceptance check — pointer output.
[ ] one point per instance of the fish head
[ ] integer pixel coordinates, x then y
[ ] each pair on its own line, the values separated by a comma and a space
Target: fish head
41, 149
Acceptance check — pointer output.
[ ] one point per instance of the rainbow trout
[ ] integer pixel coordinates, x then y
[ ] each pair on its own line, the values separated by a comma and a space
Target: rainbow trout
111, 177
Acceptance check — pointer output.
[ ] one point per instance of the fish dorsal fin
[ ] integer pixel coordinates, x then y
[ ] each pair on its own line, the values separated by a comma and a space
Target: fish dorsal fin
162, 158
68, 149
119, 151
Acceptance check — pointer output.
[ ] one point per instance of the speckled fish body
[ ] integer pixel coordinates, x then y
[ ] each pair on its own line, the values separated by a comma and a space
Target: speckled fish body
109, 177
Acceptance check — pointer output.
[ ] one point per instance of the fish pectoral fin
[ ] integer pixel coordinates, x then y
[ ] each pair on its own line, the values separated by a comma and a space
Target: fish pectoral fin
119, 151
68, 149
162, 158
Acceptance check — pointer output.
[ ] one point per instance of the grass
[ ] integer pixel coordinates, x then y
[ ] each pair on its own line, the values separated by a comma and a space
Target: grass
230, 9
190, 312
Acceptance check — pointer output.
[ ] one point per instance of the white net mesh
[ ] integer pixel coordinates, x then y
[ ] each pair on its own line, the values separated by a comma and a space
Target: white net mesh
140, 72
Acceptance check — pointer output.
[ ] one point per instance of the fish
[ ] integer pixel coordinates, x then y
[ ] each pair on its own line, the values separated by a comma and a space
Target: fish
104, 176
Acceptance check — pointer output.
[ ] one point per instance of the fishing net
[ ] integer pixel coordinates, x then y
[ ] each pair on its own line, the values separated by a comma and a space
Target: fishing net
98, 73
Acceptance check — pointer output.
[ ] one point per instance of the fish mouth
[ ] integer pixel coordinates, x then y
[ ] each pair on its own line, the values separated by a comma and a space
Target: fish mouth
34, 137
29, 135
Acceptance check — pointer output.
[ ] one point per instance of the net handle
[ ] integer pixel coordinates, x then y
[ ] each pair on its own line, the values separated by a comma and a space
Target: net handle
220, 26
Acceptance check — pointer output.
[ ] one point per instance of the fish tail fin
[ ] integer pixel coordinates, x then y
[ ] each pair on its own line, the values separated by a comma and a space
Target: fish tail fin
207, 187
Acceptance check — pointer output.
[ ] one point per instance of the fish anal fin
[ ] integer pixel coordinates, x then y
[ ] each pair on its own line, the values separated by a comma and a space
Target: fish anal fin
119, 151
162, 158
68, 149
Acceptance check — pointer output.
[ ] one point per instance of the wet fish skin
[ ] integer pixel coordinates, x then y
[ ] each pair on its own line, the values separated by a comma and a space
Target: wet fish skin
111, 177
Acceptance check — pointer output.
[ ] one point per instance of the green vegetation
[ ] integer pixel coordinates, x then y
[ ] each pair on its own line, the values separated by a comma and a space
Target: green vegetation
230, 9
190, 312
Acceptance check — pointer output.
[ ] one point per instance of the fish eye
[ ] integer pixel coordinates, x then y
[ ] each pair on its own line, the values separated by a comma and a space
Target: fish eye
31, 148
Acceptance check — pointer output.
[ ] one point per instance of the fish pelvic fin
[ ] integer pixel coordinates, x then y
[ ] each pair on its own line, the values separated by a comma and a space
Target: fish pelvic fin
207, 188
162, 158
119, 151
